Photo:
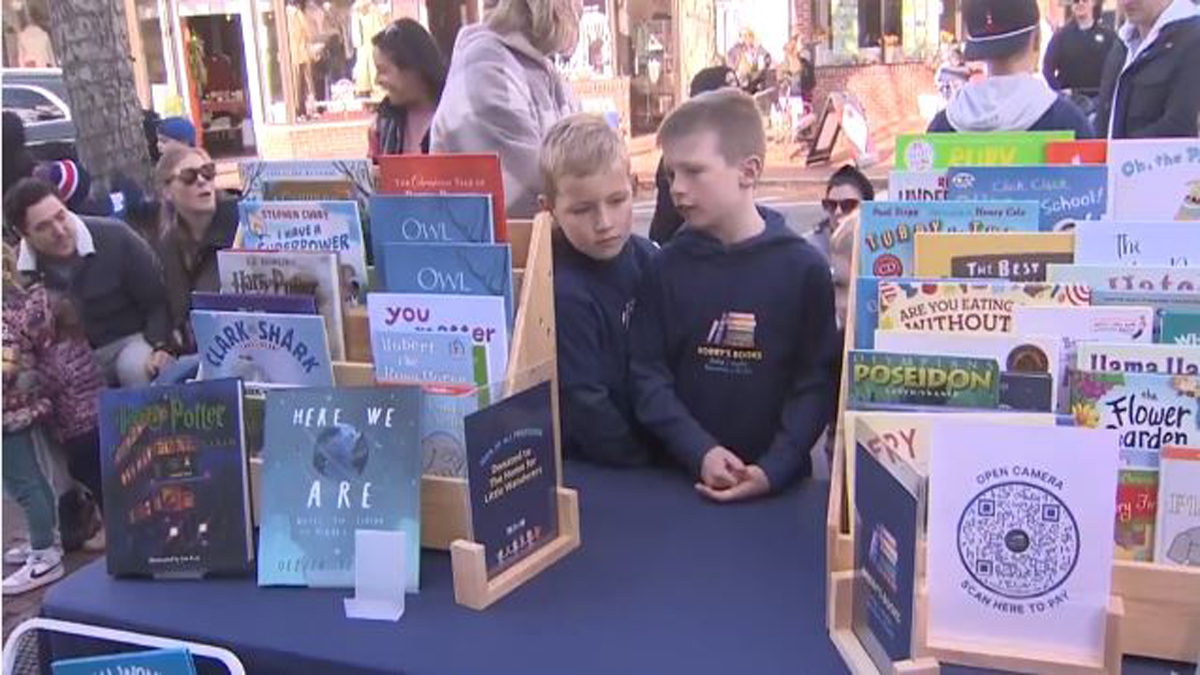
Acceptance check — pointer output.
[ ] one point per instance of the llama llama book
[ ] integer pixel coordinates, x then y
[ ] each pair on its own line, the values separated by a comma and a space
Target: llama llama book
1178, 541
176, 490
291, 273
267, 349
336, 461
1114, 357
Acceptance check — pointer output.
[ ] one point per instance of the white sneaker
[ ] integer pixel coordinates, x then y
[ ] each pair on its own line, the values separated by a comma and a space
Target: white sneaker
17, 555
43, 567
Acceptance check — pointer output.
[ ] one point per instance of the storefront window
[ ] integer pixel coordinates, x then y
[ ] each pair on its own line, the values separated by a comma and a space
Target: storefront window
26, 35
594, 54
270, 62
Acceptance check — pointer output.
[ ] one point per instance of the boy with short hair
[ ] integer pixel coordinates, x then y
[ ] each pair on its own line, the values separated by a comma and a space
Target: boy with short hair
598, 267
734, 328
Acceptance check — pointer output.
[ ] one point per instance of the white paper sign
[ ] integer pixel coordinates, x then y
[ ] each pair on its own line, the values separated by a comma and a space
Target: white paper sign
1154, 179
380, 571
1021, 538
1137, 243
1101, 324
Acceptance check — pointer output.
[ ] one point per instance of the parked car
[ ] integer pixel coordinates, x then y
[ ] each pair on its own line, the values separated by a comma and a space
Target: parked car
39, 97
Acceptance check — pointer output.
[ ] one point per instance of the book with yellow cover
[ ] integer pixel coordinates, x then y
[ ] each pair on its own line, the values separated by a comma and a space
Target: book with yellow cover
1015, 256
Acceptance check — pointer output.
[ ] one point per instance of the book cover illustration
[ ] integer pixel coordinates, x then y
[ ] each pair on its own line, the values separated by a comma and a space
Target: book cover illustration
249, 302
447, 359
887, 513
888, 229
443, 436
918, 186
336, 461
1149, 411
512, 475
883, 378
1020, 538
1162, 359
448, 174
450, 269
1031, 366
1179, 328
1144, 279
480, 319
1155, 179
1095, 323
1137, 243
294, 273
309, 226
176, 490
308, 180
1178, 541
150, 662
1000, 255
445, 219
1065, 194
924, 152
1137, 508
954, 307
266, 349
1077, 152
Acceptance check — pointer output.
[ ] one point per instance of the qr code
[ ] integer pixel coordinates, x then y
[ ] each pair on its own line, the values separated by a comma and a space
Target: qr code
1018, 540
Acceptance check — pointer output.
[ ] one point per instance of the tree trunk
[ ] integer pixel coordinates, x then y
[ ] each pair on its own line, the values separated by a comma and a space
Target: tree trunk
92, 43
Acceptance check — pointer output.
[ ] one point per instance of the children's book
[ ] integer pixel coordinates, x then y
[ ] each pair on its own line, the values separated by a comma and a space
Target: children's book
265, 349
1150, 411
888, 229
1137, 243
879, 379
448, 359
308, 180
1145, 279
249, 302
291, 273
428, 219
336, 461
450, 269
1065, 194
997, 255
1095, 323
150, 662
443, 437
1114, 357
1137, 509
976, 307
918, 186
309, 226
176, 490
1155, 179
1179, 328
1179, 507
481, 320
923, 152
447, 174
1077, 152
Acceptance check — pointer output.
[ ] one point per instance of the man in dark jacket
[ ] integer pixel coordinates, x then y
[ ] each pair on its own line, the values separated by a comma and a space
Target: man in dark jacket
1151, 85
1077, 52
109, 273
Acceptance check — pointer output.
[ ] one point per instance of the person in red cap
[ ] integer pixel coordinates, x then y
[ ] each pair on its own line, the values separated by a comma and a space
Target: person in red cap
1005, 35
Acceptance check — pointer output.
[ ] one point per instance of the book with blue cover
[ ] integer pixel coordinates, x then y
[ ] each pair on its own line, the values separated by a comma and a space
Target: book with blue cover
1177, 327
309, 226
1065, 194
150, 662
307, 180
443, 436
888, 229
429, 219
176, 489
249, 302
269, 349
447, 359
450, 269
336, 461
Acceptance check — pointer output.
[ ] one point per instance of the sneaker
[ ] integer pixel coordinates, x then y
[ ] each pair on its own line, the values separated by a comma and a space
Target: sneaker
43, 567
17, 555
97, 543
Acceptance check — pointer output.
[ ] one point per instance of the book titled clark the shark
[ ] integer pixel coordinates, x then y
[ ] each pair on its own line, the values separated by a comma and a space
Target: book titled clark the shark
270, 349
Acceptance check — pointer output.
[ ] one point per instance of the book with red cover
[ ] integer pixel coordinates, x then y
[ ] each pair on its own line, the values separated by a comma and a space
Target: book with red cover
1077, 152
453, 174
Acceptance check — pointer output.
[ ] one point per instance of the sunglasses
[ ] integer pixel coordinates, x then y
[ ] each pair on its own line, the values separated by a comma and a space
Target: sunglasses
189, 176
846, 205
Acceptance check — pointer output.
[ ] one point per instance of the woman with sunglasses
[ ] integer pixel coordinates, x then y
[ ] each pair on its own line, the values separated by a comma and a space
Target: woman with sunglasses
410, 68
193, 225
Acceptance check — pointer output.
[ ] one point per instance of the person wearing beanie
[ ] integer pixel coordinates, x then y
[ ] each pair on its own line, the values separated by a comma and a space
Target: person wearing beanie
175, 131
74, 185
1005, 34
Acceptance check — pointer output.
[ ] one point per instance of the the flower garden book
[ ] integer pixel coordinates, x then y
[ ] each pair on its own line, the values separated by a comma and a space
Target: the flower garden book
1065, 194
176, 490
336, 461
1178, 540
1014, 256
267, 349
291, 273
450, 269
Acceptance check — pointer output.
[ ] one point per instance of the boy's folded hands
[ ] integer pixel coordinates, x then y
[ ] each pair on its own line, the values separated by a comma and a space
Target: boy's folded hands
724, 477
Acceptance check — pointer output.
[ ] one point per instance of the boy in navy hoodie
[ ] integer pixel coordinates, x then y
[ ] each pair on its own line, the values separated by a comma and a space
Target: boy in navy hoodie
734, 330
597, 269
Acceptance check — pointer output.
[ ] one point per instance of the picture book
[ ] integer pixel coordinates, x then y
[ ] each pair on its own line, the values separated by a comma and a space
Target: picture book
1020, 538
996, 255
1125, 279
480, 319
512, 474
1179, 328
428, 219
176, 491
1106, 324
1162, 359
443, 438
918, 186
1155, 179
1159, 301
923, 152
887, 229
308, 180
265, 349
294, 273
1150, 411
450, 359
450, 269
955, 307
1179, 507
149, 662
879, 379
447, 174
1031, 366
887, 515
1065, 194
1077, 152
309, 226
1137, 509
336, 461
249, 302
1137, 243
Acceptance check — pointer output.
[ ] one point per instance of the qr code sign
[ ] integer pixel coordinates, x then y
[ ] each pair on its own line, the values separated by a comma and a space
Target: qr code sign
1018, 540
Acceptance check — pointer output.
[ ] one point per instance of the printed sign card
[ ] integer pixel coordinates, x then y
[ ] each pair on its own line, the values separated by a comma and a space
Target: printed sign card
1155, 179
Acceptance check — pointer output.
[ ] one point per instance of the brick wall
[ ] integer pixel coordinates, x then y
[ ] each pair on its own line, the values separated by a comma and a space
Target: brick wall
314, 141
889, 93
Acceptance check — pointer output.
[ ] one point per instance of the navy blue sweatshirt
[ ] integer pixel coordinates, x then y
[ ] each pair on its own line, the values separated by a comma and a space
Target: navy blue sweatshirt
732, 346
593, 300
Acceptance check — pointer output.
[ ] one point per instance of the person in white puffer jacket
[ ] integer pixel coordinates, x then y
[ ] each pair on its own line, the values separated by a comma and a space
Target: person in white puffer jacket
503, 93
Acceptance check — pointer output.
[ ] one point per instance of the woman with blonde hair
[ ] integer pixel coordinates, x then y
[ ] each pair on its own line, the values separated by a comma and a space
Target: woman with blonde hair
503, 93
194, 223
